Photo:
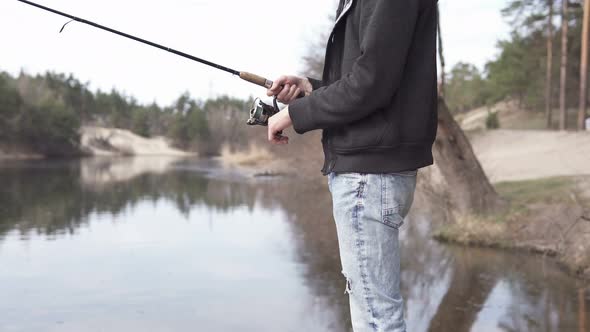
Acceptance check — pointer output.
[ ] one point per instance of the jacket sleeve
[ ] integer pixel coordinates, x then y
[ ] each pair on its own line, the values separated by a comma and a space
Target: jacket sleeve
315, 84
386, 33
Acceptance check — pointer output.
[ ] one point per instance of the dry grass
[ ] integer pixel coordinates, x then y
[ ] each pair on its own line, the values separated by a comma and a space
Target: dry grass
253, 156
474, 230
522, 195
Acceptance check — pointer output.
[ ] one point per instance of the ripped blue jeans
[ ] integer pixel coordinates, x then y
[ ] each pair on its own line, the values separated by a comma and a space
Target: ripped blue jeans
369, 209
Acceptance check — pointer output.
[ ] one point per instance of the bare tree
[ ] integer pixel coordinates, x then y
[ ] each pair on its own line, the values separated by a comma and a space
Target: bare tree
528, 16
549, 78
564, 58
584, 67
313, 61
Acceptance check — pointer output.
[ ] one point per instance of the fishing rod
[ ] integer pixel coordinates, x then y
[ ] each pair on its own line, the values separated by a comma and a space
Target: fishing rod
260, 111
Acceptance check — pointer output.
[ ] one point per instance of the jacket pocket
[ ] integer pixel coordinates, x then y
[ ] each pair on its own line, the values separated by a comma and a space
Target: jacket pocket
365, 134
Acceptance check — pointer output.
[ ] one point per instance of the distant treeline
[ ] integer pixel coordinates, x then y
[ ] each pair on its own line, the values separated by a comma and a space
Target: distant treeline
519, 70
44, 113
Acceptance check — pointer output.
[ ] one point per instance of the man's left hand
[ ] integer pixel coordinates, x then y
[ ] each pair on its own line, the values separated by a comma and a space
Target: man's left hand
276, 124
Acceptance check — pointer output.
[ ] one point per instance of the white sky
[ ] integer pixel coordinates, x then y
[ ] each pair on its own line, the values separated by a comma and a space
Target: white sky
266, 37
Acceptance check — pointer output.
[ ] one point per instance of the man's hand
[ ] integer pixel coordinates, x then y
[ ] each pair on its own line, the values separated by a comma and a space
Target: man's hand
276, 124
288, 88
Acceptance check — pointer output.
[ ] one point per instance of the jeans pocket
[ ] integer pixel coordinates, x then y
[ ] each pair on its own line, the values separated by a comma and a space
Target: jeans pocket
392, 217
397, 194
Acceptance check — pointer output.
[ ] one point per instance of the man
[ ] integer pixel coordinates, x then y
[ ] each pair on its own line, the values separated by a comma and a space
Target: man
377, 106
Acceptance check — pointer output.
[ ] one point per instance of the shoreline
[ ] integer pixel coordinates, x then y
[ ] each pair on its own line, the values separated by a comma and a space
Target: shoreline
554, 222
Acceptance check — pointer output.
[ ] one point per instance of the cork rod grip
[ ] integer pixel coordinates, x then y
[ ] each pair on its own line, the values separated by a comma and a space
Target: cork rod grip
258, 80
263, 82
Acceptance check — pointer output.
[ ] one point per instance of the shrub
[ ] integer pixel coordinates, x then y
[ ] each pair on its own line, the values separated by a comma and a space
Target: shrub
492, 121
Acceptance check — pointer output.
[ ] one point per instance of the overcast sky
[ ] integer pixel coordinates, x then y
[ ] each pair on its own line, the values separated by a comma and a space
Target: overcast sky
267, 37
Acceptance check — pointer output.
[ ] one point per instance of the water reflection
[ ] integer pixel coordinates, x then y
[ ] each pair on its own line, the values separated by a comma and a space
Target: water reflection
57, 198
447, 288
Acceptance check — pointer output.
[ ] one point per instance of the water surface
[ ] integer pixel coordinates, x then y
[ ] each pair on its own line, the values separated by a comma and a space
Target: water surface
154, 245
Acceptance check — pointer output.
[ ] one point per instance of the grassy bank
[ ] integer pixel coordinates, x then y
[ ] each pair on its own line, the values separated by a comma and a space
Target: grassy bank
549, 216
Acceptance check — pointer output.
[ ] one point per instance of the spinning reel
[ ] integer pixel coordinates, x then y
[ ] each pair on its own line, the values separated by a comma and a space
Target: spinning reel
261, 112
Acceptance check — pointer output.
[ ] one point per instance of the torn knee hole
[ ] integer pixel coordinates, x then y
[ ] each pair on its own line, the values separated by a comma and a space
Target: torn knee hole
348, 289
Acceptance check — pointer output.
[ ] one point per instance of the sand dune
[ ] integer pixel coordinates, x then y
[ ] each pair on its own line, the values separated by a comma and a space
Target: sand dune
510, 155
99, 141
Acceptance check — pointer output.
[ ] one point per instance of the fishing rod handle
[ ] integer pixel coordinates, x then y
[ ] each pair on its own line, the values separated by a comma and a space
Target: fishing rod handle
255, 79
261, 81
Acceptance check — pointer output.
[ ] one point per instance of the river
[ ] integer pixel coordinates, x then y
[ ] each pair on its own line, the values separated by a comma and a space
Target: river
156, 245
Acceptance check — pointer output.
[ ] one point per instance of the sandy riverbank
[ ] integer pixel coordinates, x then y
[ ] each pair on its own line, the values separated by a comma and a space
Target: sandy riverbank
100, 141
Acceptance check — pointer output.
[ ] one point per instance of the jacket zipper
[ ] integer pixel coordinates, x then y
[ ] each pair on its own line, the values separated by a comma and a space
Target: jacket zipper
331, 157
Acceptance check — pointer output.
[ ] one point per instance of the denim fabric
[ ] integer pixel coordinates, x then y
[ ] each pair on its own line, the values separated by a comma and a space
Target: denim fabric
369, 209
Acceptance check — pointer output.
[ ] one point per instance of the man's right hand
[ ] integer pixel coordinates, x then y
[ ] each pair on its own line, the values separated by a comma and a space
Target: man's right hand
288, 88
